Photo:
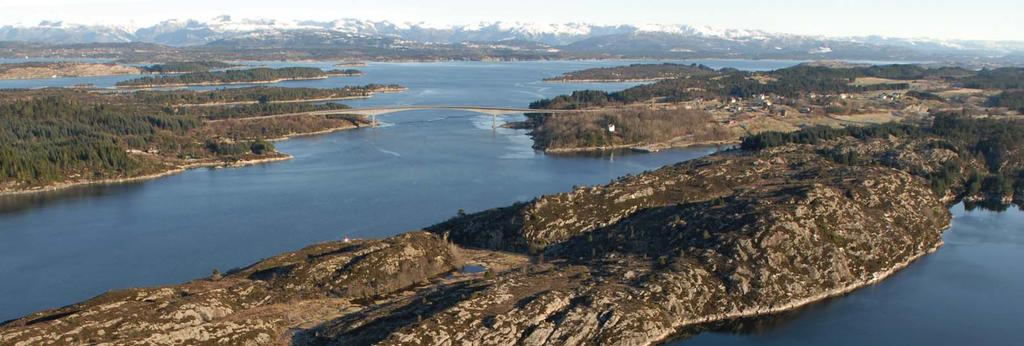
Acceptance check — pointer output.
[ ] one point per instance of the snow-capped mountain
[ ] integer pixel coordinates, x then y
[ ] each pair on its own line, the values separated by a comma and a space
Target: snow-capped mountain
646, 40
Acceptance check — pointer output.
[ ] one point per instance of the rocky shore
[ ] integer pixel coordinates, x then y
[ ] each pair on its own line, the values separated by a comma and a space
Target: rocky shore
635, 262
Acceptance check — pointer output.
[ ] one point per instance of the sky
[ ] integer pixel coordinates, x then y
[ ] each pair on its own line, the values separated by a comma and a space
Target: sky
944, 19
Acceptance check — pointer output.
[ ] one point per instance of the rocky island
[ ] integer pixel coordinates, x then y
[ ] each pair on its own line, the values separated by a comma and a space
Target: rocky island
786, 219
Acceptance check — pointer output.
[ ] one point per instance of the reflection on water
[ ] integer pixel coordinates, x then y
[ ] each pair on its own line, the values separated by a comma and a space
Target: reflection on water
18, 203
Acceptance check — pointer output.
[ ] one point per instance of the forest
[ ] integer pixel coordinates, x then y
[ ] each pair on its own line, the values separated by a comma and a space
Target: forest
254, 75
186, 66
1012, 99
53, 135
256, 110
259, 94
48, 139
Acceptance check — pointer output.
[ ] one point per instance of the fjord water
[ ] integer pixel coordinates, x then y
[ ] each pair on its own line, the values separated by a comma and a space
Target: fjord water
422, 168
59, 248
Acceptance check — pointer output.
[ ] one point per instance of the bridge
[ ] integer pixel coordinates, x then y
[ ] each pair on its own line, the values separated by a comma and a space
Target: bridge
373, 112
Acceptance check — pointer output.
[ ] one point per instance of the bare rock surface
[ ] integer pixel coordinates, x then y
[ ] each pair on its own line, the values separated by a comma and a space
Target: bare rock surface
736, 234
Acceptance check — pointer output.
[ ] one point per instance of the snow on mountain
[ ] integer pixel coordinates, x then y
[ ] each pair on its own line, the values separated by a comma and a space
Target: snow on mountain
193, 32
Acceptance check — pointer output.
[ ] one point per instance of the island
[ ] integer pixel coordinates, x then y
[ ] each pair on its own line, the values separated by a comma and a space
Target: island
634, 73
40, 70
186, 67
722, 106
56, 138
784, 220
262, 94
261, 75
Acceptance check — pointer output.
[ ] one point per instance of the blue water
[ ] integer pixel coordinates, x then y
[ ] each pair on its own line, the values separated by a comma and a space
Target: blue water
423, 167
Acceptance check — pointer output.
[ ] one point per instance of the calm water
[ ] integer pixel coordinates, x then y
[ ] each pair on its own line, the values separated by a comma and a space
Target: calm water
420, 169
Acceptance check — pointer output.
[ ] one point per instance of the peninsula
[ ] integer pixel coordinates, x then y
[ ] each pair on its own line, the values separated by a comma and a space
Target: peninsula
56, 138
260, 75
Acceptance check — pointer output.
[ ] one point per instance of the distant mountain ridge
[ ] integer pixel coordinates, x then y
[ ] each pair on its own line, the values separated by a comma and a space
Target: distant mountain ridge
613, 40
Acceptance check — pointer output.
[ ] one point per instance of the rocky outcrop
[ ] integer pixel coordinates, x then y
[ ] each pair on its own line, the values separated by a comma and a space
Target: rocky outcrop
771, 232
253, 306
736, 234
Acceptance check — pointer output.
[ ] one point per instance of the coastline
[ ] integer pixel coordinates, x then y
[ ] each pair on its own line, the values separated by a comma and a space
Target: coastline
169, 172
315, 133
646, 148
799, 303
323, 99
619, 80
272, 81
182, 168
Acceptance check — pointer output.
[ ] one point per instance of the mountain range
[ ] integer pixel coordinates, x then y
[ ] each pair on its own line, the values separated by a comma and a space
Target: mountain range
573, 38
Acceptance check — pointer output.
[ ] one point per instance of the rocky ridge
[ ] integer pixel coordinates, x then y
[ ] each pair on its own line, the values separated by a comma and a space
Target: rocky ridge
635, 262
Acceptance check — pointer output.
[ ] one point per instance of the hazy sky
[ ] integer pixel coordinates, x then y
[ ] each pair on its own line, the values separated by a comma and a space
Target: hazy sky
966, 19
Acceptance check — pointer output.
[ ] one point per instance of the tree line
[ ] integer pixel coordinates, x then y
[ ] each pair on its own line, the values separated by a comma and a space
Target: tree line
186, 66
254, 75
262, 94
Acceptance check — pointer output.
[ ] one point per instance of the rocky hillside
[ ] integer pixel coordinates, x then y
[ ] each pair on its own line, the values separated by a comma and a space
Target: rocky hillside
636, 262
63, 69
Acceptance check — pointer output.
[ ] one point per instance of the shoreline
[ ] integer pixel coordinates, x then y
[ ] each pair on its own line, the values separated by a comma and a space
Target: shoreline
754, 312
180, 169
645, 148
169, 172
179, 85
315, 133
370, 94
620, 80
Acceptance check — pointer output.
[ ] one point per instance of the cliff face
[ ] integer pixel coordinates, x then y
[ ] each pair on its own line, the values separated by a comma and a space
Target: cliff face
731, 235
